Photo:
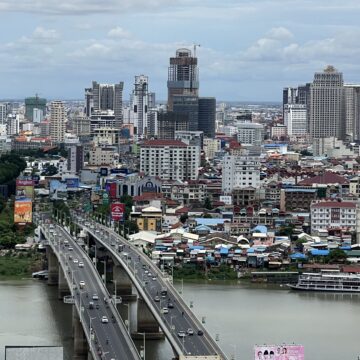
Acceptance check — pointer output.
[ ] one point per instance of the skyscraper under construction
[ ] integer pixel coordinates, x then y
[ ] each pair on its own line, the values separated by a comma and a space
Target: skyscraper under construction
183, 76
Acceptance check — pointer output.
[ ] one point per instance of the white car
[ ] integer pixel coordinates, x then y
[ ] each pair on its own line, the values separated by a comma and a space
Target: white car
165, 310
82, 284
81, 264
76, 261
95, 297
104, 320
181, 334
190, 331
70, 248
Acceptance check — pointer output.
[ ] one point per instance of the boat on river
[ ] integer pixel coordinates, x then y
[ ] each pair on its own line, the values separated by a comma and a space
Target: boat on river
328, 281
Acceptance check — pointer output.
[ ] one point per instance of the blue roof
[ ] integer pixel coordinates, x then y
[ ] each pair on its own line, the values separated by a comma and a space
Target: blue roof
316, 252
260, 229
203, 228
300, 189
209, 222
345, 248
298, 256
224, 251
196, 247
250, 250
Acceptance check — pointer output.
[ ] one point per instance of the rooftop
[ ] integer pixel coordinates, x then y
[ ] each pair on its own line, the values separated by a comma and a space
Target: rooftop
326, 178
162, 142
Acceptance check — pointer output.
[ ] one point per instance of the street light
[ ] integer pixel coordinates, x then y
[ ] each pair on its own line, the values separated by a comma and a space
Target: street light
143, 334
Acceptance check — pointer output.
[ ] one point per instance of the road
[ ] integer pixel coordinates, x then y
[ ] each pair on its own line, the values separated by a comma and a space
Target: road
179, 318
109, 340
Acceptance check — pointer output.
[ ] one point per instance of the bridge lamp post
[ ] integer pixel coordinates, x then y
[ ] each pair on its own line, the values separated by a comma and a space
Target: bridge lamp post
143, 353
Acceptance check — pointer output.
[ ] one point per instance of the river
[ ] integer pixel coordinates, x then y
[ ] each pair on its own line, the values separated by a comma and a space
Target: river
241, 315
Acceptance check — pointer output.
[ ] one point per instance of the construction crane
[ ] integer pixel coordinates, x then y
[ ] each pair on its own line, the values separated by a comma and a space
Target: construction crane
191, 71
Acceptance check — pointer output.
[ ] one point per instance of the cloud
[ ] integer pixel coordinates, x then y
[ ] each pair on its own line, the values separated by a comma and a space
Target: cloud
280, 33
118, 32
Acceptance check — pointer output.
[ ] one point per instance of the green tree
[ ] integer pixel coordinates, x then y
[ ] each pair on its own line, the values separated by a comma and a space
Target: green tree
336, 255
207, 204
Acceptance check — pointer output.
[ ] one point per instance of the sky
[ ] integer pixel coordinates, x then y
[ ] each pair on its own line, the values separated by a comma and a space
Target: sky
249, 49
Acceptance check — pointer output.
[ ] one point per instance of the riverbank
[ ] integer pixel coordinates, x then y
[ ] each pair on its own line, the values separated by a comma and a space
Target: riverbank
16, 266
222, 272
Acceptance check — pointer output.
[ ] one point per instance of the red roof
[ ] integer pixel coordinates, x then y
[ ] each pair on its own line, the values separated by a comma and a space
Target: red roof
334, 204
163, 142
148, 196
327, 178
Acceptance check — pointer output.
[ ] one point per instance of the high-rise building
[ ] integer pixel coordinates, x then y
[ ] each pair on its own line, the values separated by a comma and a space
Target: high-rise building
250, 133
75, 158
188, 105
141, 102
352, 111
183, 77
170, 160
207, 116
170, 122
32, 103
326, 104
295, 119
3, 113
240, 172
57, 121
38, 115
13, 124
104, 99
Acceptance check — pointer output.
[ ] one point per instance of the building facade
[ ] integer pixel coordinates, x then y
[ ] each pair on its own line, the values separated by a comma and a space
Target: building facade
170, 160
75, 158
295, 119
207, 116
57, 121
32, 103
326, 104
240, 172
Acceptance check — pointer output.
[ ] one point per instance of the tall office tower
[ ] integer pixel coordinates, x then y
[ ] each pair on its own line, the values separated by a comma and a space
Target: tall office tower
153, 129
183, 76
352, 111
207, 116
290, 95
295, 119
3, 113
75, 161
57, 121
170, 122
189, 105
326, 104
141, 102
103, 99
32, 103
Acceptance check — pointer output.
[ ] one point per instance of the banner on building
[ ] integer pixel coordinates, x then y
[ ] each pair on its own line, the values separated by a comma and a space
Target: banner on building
23, 211
104, 172
25, 189
117, 211
279, 352
111, 189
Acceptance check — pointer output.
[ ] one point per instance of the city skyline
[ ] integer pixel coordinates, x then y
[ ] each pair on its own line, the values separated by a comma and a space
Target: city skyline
248, 52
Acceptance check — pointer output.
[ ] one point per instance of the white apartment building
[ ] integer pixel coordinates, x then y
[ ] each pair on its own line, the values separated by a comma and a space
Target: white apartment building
295, 119
333, 214
250, 133
57, 121
13, 124
278, 131
170, 160
240, 172
3, 113
101, 156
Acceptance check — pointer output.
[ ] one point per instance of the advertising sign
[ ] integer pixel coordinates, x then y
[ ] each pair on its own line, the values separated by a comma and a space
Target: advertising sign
23, 211
117, 211
72, 183
103, 172
111, 189
105, 198
279, 352
25, 188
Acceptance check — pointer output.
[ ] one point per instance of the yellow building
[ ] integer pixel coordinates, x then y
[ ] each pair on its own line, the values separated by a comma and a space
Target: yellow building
149, 219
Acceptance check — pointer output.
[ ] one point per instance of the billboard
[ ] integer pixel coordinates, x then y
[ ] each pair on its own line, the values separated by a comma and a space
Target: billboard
23, 211
111, 188
25, 188
279, 352
72, 183
104, 172
117, 211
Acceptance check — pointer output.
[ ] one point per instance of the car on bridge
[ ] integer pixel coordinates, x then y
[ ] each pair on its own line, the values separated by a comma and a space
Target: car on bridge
81, 264
181, 334
95, 297
76, 261
156, 299
165, 310
190, 331
104, 319
82, 284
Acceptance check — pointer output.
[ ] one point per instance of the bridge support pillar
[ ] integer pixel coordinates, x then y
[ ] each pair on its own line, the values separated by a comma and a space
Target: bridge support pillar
63, 288
80, 342
122, 281
53, 267
145, 319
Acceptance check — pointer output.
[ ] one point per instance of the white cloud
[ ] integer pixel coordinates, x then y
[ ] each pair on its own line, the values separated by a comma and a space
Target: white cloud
280, 33
118, 32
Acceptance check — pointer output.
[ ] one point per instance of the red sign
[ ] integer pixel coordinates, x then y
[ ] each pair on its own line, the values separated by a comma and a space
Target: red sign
24, 183
117, 211
112, 190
